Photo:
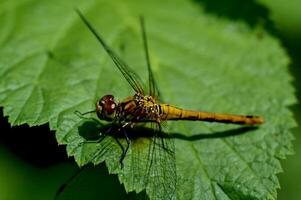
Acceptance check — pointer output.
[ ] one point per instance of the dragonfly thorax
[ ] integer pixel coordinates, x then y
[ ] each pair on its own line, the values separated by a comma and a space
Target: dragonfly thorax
144, 100
106, 108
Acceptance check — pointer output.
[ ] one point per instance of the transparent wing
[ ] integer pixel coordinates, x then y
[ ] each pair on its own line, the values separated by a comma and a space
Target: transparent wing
131, 77
149, 164
161, 167
153, 87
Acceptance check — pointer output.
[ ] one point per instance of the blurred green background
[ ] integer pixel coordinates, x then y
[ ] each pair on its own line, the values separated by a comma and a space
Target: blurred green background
287, 18
39, 173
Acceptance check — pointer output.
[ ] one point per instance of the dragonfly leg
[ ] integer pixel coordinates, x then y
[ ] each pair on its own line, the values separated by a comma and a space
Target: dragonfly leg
126, 124
125, 150
82, 115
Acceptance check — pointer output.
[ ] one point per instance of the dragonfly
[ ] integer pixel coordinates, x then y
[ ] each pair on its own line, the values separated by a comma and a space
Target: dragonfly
146, 107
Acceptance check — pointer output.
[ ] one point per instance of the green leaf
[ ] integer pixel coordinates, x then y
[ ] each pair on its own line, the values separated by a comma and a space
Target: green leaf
51, 65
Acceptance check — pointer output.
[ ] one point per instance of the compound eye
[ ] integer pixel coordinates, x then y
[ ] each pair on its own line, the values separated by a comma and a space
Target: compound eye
101, 102
108, 104
106, 98
110, 107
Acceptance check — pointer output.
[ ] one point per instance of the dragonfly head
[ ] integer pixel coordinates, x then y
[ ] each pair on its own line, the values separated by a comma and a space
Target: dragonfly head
106, 108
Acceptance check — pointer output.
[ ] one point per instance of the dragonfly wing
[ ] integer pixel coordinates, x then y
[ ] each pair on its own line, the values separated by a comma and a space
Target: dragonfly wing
131, 77
161, 167
153, 87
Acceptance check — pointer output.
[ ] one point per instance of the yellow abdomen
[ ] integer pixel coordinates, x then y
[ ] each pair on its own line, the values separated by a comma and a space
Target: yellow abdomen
169, 112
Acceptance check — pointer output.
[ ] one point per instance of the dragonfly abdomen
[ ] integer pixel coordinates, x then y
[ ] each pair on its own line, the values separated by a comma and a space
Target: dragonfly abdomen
169, 112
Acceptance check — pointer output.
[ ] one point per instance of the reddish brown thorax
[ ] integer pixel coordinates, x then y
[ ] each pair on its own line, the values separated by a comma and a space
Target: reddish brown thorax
106, 107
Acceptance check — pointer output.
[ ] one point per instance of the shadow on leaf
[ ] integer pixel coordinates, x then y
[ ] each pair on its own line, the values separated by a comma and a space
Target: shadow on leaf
250, 11
93, 129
